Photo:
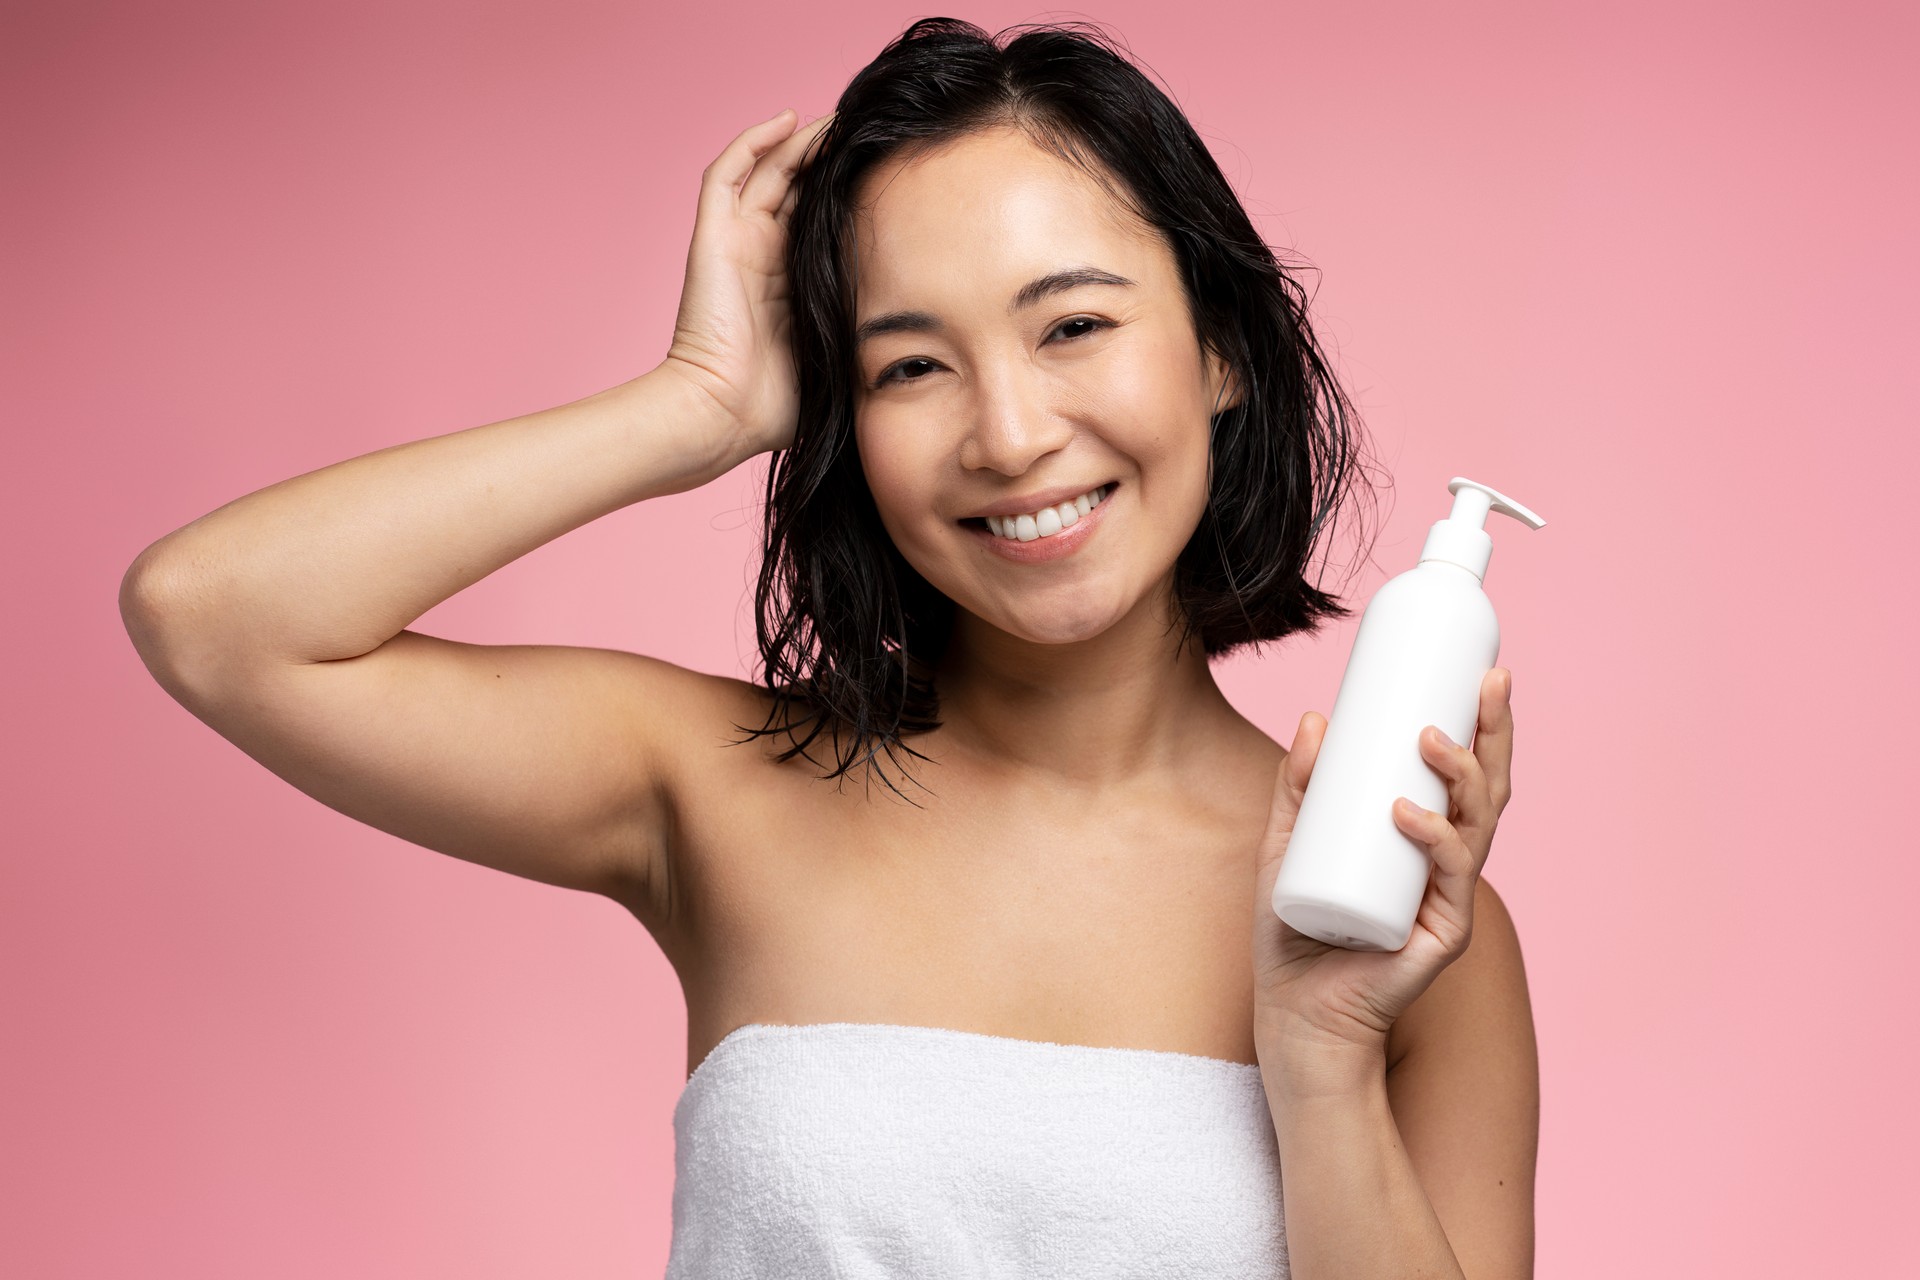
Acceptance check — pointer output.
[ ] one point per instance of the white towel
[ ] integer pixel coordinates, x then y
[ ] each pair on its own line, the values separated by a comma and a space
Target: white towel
855, 1151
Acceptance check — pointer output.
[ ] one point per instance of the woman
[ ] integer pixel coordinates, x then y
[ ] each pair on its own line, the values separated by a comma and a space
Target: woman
1050, 432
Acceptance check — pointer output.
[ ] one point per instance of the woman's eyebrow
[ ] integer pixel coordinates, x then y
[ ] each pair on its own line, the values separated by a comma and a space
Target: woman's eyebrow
1031, 292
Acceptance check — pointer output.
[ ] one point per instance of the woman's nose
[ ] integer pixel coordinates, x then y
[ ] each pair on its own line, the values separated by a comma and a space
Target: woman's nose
1010, 432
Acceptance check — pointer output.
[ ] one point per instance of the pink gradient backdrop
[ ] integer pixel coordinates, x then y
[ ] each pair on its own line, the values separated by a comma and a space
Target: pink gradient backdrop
1648, 267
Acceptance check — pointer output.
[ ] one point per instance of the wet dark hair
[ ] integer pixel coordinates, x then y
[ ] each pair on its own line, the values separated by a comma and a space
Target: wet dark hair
847, 629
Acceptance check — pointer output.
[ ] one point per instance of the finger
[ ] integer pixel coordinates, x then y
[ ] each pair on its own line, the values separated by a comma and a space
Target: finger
772, 178
1493, 736
720, 182
1290, 785
1466, 782
1454, 865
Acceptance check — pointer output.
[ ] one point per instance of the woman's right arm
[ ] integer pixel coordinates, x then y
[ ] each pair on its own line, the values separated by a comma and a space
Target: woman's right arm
279, 619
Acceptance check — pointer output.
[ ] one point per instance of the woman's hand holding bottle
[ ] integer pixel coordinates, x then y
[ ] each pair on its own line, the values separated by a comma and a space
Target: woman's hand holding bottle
1318, 1001
731, 337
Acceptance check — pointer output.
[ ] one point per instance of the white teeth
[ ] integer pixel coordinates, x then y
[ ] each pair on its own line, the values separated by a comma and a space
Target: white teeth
1047, 521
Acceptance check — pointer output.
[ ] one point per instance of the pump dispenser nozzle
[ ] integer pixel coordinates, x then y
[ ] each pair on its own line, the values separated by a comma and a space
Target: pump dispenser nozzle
1462, 537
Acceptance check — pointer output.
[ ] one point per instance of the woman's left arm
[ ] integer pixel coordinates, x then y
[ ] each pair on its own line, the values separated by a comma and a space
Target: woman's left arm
1404, 1085
1424, 1167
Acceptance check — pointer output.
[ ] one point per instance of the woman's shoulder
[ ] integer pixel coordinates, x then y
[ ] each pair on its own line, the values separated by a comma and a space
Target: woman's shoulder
1242, 741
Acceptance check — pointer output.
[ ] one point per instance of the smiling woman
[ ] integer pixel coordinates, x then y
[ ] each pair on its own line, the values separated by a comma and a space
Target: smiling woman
1019, 277
1050, 433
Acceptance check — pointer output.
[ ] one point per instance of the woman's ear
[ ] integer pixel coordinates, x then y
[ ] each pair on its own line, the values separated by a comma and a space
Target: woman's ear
1223, 385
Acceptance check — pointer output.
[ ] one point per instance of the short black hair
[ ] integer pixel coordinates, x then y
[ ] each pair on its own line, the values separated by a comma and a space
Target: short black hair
847, 629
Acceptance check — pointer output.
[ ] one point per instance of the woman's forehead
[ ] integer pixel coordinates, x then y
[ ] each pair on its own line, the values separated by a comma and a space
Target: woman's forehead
989, 210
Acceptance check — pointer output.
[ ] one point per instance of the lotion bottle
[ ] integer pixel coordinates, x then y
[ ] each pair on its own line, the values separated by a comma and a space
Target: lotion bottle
1428, 638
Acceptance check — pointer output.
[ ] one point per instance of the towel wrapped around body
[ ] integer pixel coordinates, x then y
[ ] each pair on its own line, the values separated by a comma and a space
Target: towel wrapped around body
858, 1151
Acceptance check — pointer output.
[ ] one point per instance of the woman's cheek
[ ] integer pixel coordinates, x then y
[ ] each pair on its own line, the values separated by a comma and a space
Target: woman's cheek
897, 481
1130, 391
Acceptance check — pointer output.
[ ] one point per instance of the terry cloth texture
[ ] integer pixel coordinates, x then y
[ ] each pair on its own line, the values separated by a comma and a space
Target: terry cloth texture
856, 1151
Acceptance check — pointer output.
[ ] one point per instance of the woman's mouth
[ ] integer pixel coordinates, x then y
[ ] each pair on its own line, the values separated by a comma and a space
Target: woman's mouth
1046, 534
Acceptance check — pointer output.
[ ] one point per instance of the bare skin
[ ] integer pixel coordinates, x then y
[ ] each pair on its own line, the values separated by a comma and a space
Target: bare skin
1008, 904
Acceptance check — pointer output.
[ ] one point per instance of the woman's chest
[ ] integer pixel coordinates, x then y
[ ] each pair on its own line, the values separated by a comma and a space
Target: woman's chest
1010, 911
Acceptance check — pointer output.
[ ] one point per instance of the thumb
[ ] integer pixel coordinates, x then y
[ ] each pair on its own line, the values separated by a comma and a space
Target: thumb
1290, 784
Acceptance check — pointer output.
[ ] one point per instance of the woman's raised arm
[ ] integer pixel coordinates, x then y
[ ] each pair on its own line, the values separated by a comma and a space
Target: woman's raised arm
279, 620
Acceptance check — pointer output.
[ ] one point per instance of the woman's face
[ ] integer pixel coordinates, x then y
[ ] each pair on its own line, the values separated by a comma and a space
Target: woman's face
975, 400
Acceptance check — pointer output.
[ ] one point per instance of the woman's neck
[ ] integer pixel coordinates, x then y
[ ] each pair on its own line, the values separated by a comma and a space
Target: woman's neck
1128, 702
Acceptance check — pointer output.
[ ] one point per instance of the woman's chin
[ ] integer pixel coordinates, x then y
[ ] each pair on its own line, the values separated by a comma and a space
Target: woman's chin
1054, 628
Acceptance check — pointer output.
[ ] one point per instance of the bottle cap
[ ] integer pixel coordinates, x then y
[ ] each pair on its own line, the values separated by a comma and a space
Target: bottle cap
1462, 538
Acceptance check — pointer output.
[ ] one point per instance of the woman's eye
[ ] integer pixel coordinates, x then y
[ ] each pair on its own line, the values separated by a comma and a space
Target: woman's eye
1086, 320
887, 374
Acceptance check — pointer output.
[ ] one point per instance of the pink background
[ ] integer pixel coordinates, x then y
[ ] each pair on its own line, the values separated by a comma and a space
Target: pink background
1648, 267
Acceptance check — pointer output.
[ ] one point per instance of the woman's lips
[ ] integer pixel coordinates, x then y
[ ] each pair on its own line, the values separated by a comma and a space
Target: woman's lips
1063, 543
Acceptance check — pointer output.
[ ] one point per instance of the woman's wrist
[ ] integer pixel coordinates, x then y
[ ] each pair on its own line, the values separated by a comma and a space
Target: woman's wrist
714, 435
1304, 1061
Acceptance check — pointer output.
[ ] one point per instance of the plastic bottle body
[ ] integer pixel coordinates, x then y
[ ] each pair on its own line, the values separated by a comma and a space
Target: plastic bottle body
1425, 643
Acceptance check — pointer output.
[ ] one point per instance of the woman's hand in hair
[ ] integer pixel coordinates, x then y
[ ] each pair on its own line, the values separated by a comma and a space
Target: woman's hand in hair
1314, 996
730, 338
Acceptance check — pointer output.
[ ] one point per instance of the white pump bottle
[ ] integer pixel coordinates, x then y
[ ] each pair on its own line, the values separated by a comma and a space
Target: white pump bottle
1428, 638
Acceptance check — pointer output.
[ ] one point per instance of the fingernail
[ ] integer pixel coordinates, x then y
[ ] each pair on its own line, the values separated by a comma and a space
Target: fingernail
1506, 684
